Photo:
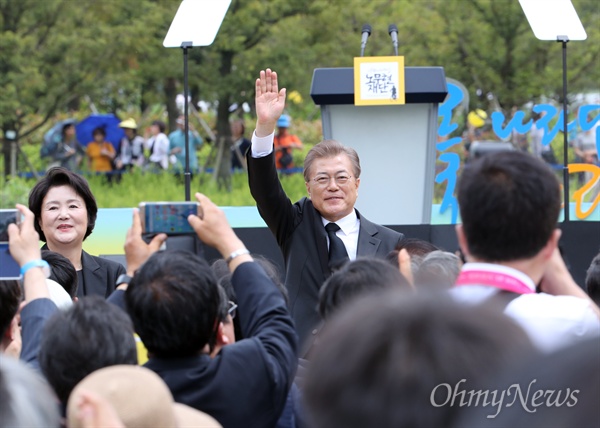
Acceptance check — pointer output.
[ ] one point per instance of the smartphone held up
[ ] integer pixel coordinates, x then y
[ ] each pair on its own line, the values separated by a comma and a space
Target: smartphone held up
168, 217
9, 268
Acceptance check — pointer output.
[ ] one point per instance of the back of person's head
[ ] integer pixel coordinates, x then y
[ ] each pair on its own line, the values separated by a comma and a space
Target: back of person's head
139, 398
509, 204
397, 350
357, 278
438, 270
221, 270
329, 149
90, 335
26, 400
416, 246
174, 303
10, 298
592, 280
62, 271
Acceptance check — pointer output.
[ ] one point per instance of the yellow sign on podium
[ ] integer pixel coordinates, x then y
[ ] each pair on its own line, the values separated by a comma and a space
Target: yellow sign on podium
378, 80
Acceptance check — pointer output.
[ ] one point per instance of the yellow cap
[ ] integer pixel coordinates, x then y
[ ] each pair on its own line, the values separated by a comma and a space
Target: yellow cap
128, 123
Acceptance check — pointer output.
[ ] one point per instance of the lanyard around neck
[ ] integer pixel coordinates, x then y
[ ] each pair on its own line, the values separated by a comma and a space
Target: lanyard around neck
498, 280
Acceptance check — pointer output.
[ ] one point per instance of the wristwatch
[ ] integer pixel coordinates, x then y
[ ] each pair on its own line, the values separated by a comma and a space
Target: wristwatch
123, 279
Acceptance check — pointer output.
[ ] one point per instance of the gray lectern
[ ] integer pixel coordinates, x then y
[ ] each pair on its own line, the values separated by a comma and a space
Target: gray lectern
396, 143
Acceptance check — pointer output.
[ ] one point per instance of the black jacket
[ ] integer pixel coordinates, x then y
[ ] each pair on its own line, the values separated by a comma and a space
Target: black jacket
299, 231
246, 384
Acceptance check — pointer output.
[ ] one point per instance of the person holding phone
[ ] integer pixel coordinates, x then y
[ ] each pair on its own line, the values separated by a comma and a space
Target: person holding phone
65, 215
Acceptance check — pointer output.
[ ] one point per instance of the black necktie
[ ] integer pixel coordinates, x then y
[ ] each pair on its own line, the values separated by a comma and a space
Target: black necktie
337, 249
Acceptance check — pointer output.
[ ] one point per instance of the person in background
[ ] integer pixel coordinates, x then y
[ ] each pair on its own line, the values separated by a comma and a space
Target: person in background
88, 336
131, 149
101, 154
68, 153
284, 143
396, 349
240, 145
592, 280
586, 147
177, 147
176, 307
10, 331
438, 270
536, 135
509, 206
62, 271
158, 146
126, 396
27, 400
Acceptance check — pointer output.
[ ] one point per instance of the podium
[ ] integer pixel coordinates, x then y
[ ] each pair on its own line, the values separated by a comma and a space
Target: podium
396, 143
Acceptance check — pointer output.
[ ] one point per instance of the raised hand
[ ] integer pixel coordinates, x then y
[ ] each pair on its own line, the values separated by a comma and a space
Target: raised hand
269, 101
136, 250
213, 228
24, 241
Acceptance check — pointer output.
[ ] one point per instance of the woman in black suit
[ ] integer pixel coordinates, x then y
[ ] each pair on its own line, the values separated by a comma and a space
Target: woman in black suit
65, 212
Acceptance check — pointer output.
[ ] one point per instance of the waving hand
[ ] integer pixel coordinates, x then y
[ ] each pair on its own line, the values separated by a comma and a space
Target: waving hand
269, 101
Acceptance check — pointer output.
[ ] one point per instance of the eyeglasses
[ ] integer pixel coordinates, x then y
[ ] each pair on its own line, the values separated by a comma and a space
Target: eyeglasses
324, 180
232, 309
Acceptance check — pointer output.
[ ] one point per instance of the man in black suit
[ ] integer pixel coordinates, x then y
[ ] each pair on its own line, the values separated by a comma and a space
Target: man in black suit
310, 249
177, 309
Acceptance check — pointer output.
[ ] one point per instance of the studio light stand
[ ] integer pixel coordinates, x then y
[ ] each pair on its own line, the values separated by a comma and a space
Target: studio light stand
557, 20
196, 23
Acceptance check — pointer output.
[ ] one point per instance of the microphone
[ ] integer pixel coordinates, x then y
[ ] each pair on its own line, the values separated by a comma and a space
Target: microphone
366, 32
393, 32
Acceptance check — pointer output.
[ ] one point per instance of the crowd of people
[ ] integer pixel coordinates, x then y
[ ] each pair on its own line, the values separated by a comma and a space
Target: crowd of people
369, 328
155, 151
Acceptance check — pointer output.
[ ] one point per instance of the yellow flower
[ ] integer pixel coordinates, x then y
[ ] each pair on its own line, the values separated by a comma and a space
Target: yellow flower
295, 97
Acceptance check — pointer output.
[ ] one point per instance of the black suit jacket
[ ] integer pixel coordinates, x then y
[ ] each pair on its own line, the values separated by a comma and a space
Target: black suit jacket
99, 275
247, 383
299, 231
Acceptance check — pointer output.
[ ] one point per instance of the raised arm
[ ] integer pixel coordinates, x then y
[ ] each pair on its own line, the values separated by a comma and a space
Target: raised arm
270, 102
24, 244
214, 230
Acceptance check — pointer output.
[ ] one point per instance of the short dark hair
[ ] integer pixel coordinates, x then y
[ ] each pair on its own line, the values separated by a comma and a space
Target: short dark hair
174, 303
329, 149
62, 271
357, 278
509, 204
395, 349
161, 125
65, 127
88, 336
416, 246
221, 270
99, 130
592, 280
10, 299
59, 176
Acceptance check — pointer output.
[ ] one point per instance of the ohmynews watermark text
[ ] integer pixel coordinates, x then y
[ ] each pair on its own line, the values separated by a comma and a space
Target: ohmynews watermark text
530, 400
